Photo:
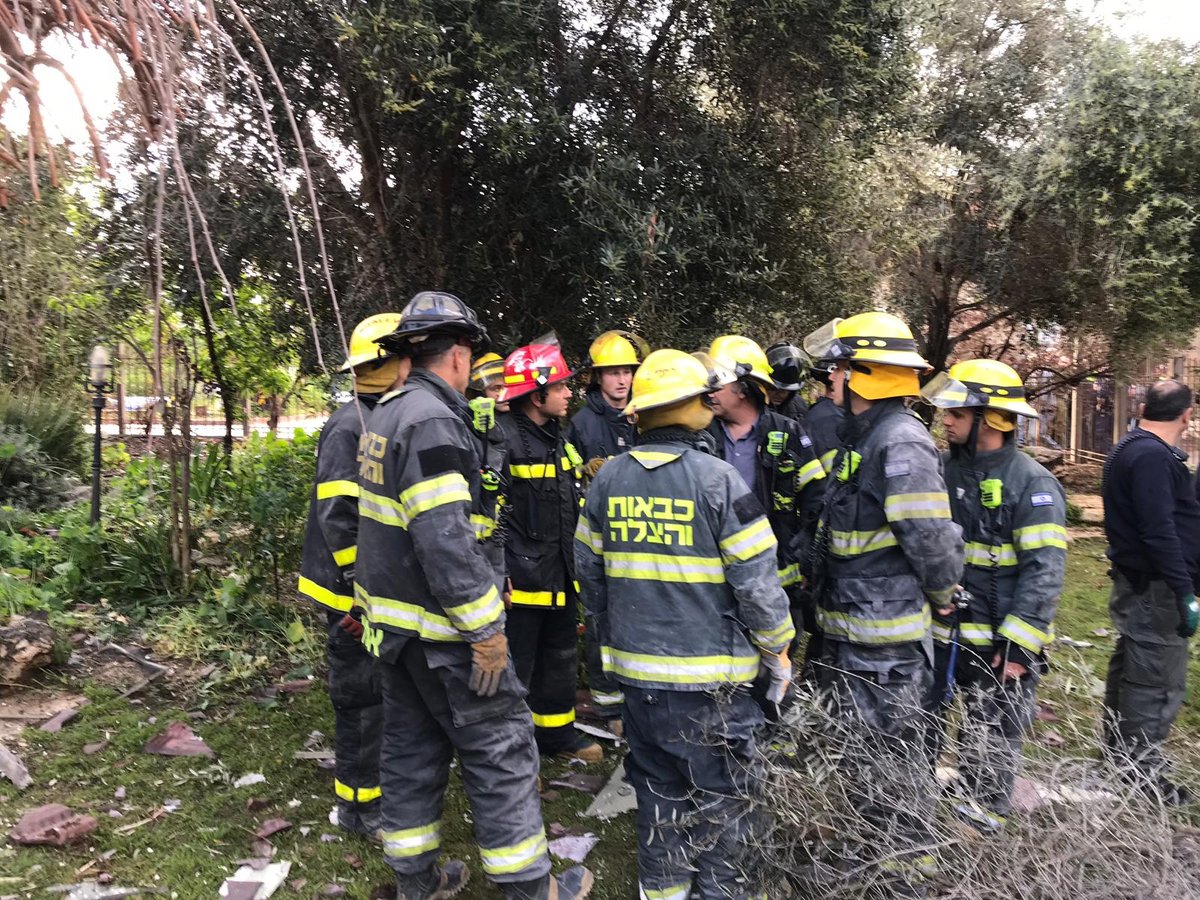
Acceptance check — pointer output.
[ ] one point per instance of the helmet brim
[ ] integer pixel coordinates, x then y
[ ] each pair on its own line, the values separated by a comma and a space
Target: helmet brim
512, 392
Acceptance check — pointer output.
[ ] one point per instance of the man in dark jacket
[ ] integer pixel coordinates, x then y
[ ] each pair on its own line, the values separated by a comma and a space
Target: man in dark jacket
1152, 522
788, 365
600, 430
327, 576
432, 613
822, 421
544, 495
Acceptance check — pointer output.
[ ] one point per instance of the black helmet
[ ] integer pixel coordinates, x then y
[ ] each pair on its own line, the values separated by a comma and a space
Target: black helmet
432, 313
788, 364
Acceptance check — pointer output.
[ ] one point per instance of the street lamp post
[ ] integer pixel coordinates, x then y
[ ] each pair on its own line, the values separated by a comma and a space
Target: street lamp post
99, 382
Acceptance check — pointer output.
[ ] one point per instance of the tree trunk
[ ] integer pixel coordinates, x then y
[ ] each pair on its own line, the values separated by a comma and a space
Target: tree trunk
228, 394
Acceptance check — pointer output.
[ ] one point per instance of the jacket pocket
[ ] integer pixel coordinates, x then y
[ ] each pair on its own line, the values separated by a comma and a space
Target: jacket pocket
452, 667
882, 610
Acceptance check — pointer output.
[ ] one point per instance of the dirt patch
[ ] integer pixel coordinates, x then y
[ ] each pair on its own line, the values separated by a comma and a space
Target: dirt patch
25, 705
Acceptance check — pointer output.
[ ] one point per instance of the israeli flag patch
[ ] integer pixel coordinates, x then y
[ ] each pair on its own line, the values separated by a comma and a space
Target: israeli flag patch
900, 467
805, 441
961, 491
1042, 498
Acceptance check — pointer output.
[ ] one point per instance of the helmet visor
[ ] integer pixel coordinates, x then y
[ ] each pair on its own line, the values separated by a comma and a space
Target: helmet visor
718, 375
945, 392
823, 345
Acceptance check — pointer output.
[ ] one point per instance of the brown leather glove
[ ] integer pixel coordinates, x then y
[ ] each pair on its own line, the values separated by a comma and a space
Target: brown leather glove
351, 626
489, 659
594, 465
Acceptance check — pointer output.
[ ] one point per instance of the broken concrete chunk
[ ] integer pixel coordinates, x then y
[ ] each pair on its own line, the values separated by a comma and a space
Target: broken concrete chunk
251, 778
250, 884
178, 740
13, 769
53, 824
26, 645
272, 826
574, 847
93, 749
55, 723
616, 798
589, 784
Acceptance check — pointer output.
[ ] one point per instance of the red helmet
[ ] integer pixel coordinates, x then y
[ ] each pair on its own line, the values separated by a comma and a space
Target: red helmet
531, 367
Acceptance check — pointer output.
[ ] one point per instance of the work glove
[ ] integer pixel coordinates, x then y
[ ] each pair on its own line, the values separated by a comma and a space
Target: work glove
1189, 615
351, 626
489, 659
594, 465
779, 667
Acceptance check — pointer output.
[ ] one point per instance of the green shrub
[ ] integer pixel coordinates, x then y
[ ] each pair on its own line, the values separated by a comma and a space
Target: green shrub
54, 422
28, 475
1074, 515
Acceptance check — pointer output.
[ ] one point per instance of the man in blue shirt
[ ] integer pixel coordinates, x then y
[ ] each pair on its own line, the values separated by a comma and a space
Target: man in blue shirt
1152, 522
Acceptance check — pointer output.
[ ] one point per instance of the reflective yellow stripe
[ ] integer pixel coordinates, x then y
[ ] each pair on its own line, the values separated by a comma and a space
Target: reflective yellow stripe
977, 633
1034, 537
556, 720
533, 470
485, 526
328, 489
1021, 632
680, 669
381, 509
664, 567
920, 505
827, 459
941, 633
776, 637
862, 630
411, 841
790, 575
407, 617
675, 892
593, 540
516, 858
987, 556
478, 613
659, 456
426, 495
856, 543
603, 699
324, 596
808, 473
539, 598
346, 557
748, 543
356, 795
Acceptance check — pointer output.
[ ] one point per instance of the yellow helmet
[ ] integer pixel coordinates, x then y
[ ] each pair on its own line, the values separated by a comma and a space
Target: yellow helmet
617, 348
666, 377
986, 383
742, 357
486, 370
363, 348
871, 337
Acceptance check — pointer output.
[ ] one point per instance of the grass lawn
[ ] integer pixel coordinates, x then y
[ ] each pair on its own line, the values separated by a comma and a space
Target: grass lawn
190, 851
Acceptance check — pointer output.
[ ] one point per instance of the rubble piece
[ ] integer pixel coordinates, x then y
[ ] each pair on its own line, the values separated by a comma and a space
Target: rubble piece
574, 847
178, 740
55, 723
313, 754
95, 890
93, 749
597, 731
254, 804
26, 645
53, 824
12, 768
272, 826
255, 884
249, 779
333, 890
577, 781
298, 686
617, 797
314, 740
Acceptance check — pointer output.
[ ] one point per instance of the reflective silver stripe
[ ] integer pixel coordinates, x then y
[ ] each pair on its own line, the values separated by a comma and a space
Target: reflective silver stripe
978, 554
676, 892
855, 543
664, 567
381, 509
412, 841
1034, 537
514, 858
680, 669
1021, 632
406, 616
875, 631
752, 540
589, 538
976, 633
602, 699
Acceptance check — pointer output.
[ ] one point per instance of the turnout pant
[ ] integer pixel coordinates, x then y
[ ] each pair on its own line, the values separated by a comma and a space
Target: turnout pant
429, 714
692, 764
995, 719
544, 642
876, 694
1147, 675
358, 717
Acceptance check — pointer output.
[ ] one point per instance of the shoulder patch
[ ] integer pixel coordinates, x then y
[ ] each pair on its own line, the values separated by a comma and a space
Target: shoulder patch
447, 458
805, 440
747, 508
899, 467
1041, 498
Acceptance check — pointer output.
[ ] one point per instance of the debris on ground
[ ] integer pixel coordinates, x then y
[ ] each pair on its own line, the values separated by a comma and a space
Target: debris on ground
1052, 738
54, 724
1068, 641
26, 645
93, 749
272, 826
597, 731
617, 797
574, 847
249, 779
95, 890
254, 804
333, 890
255, 884
313, 754
577, 781
178, 740
298, 686
52, 824
12, 768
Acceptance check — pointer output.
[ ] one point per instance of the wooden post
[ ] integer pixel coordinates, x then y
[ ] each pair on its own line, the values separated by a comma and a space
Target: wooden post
120, 389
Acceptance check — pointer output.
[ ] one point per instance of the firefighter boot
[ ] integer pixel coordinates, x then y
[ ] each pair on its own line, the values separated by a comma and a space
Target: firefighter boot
438, 883
573, 884
582, 749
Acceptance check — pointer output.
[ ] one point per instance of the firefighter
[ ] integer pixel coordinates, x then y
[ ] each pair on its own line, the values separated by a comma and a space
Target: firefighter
327, 576
487, 379
433, 615
886, 552
600, 430
788, 364
544, 495
823, 417
774, 456
1013, 516
677, 569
